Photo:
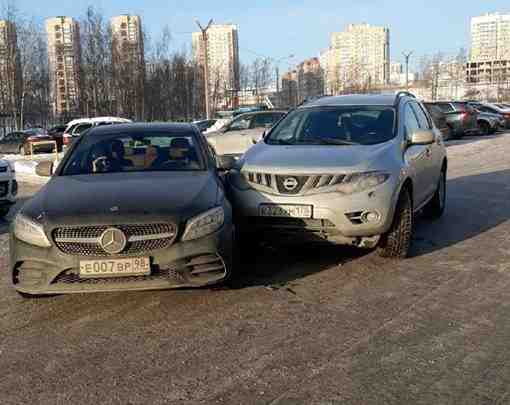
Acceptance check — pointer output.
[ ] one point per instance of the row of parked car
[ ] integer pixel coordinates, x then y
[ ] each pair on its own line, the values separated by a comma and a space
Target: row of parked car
41, 140
458, 118
454, 119
152, 206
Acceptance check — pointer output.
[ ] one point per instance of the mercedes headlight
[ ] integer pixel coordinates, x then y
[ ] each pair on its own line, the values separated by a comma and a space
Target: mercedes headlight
358, 182
29, 231
204, 224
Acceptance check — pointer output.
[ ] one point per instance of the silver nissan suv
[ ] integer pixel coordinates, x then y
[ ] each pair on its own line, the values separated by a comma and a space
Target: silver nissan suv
349, 170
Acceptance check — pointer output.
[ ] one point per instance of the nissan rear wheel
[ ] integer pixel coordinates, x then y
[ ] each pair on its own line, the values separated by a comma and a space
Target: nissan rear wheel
485, 128
396, 244
435, 208
449, 134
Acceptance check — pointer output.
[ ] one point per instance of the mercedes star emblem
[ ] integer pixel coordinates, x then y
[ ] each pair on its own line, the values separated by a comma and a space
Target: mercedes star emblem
113, 241
290, 183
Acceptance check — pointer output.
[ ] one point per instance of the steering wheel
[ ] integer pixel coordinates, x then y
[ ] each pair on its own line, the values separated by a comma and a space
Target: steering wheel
101, 164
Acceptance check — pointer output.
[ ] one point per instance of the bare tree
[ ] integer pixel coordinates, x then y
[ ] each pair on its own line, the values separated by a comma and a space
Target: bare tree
97, 81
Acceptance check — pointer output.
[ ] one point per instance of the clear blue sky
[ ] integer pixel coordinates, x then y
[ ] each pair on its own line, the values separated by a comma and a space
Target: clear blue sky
277, 28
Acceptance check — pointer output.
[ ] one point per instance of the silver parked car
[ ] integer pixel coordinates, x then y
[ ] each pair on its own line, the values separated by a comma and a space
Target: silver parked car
243, 132
348, 170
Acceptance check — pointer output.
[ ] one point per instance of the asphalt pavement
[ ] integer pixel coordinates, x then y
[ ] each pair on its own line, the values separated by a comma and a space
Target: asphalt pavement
304, 325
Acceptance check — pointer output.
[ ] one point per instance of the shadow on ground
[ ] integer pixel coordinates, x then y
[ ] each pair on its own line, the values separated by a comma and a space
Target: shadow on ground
474, 138
277, 265
475, 205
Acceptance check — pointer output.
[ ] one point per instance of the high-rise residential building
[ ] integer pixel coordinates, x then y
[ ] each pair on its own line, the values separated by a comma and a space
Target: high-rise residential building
289, 92
331, 67
64, 54
128, 64
364, 54
223, 61
489, 60
310, 79
10, 75
490, 37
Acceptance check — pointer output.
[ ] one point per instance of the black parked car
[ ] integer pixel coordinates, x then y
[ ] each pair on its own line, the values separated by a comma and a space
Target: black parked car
439, 118
130, 207
461, 117
493, 109
57, 134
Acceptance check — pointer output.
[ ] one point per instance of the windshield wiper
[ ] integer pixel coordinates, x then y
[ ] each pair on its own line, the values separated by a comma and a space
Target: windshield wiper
279, 142
334, 141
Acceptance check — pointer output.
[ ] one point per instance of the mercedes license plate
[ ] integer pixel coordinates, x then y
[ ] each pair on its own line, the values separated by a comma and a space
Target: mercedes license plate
286, 211
140, 266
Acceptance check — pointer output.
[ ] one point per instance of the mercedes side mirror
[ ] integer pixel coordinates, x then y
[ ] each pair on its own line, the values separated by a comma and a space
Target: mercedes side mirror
225, 163
44, 169
422, 137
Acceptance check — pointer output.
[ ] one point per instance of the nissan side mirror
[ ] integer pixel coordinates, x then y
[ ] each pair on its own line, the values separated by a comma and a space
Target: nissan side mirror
225, 163
422, 137
44, 169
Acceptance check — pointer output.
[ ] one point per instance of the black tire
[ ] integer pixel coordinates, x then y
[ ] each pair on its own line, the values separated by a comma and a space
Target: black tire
485, 128
435, 208
450, 134
396, 244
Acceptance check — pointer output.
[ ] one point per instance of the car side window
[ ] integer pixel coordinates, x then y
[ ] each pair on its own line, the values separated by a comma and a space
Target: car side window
81, 128
240, 124
446, 107
263, 120
410, 121
423, 120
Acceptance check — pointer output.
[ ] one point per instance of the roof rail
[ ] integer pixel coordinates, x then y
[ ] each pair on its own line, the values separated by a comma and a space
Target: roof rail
403, 94
312, 99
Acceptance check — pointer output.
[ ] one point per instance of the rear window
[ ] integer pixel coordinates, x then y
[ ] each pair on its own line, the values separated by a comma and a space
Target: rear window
445, 107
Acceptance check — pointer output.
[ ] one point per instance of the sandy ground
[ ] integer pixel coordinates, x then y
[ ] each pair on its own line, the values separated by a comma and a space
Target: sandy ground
306, 325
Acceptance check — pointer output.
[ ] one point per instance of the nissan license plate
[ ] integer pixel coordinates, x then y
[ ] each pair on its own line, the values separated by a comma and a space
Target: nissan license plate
117, 267
285, 211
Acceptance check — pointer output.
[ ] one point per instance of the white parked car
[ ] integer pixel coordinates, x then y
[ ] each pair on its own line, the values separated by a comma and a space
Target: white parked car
76, 127
8, 187
244, 131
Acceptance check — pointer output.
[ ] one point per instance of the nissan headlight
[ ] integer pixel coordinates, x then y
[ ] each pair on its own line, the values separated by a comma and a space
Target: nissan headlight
29, 231
358, 182
204, 224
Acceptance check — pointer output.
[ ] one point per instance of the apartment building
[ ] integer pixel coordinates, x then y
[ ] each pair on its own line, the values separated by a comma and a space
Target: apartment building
489, 61
331, 67
289, 91
10, 75
223, 61
64, 55
363, 54
128, 64
310, 79
490, 37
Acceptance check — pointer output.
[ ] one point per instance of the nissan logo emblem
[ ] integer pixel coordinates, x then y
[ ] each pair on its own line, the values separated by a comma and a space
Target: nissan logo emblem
113, 241
290, 183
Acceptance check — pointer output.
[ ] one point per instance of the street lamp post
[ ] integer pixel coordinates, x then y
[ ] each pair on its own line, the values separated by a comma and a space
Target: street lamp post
407, 56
